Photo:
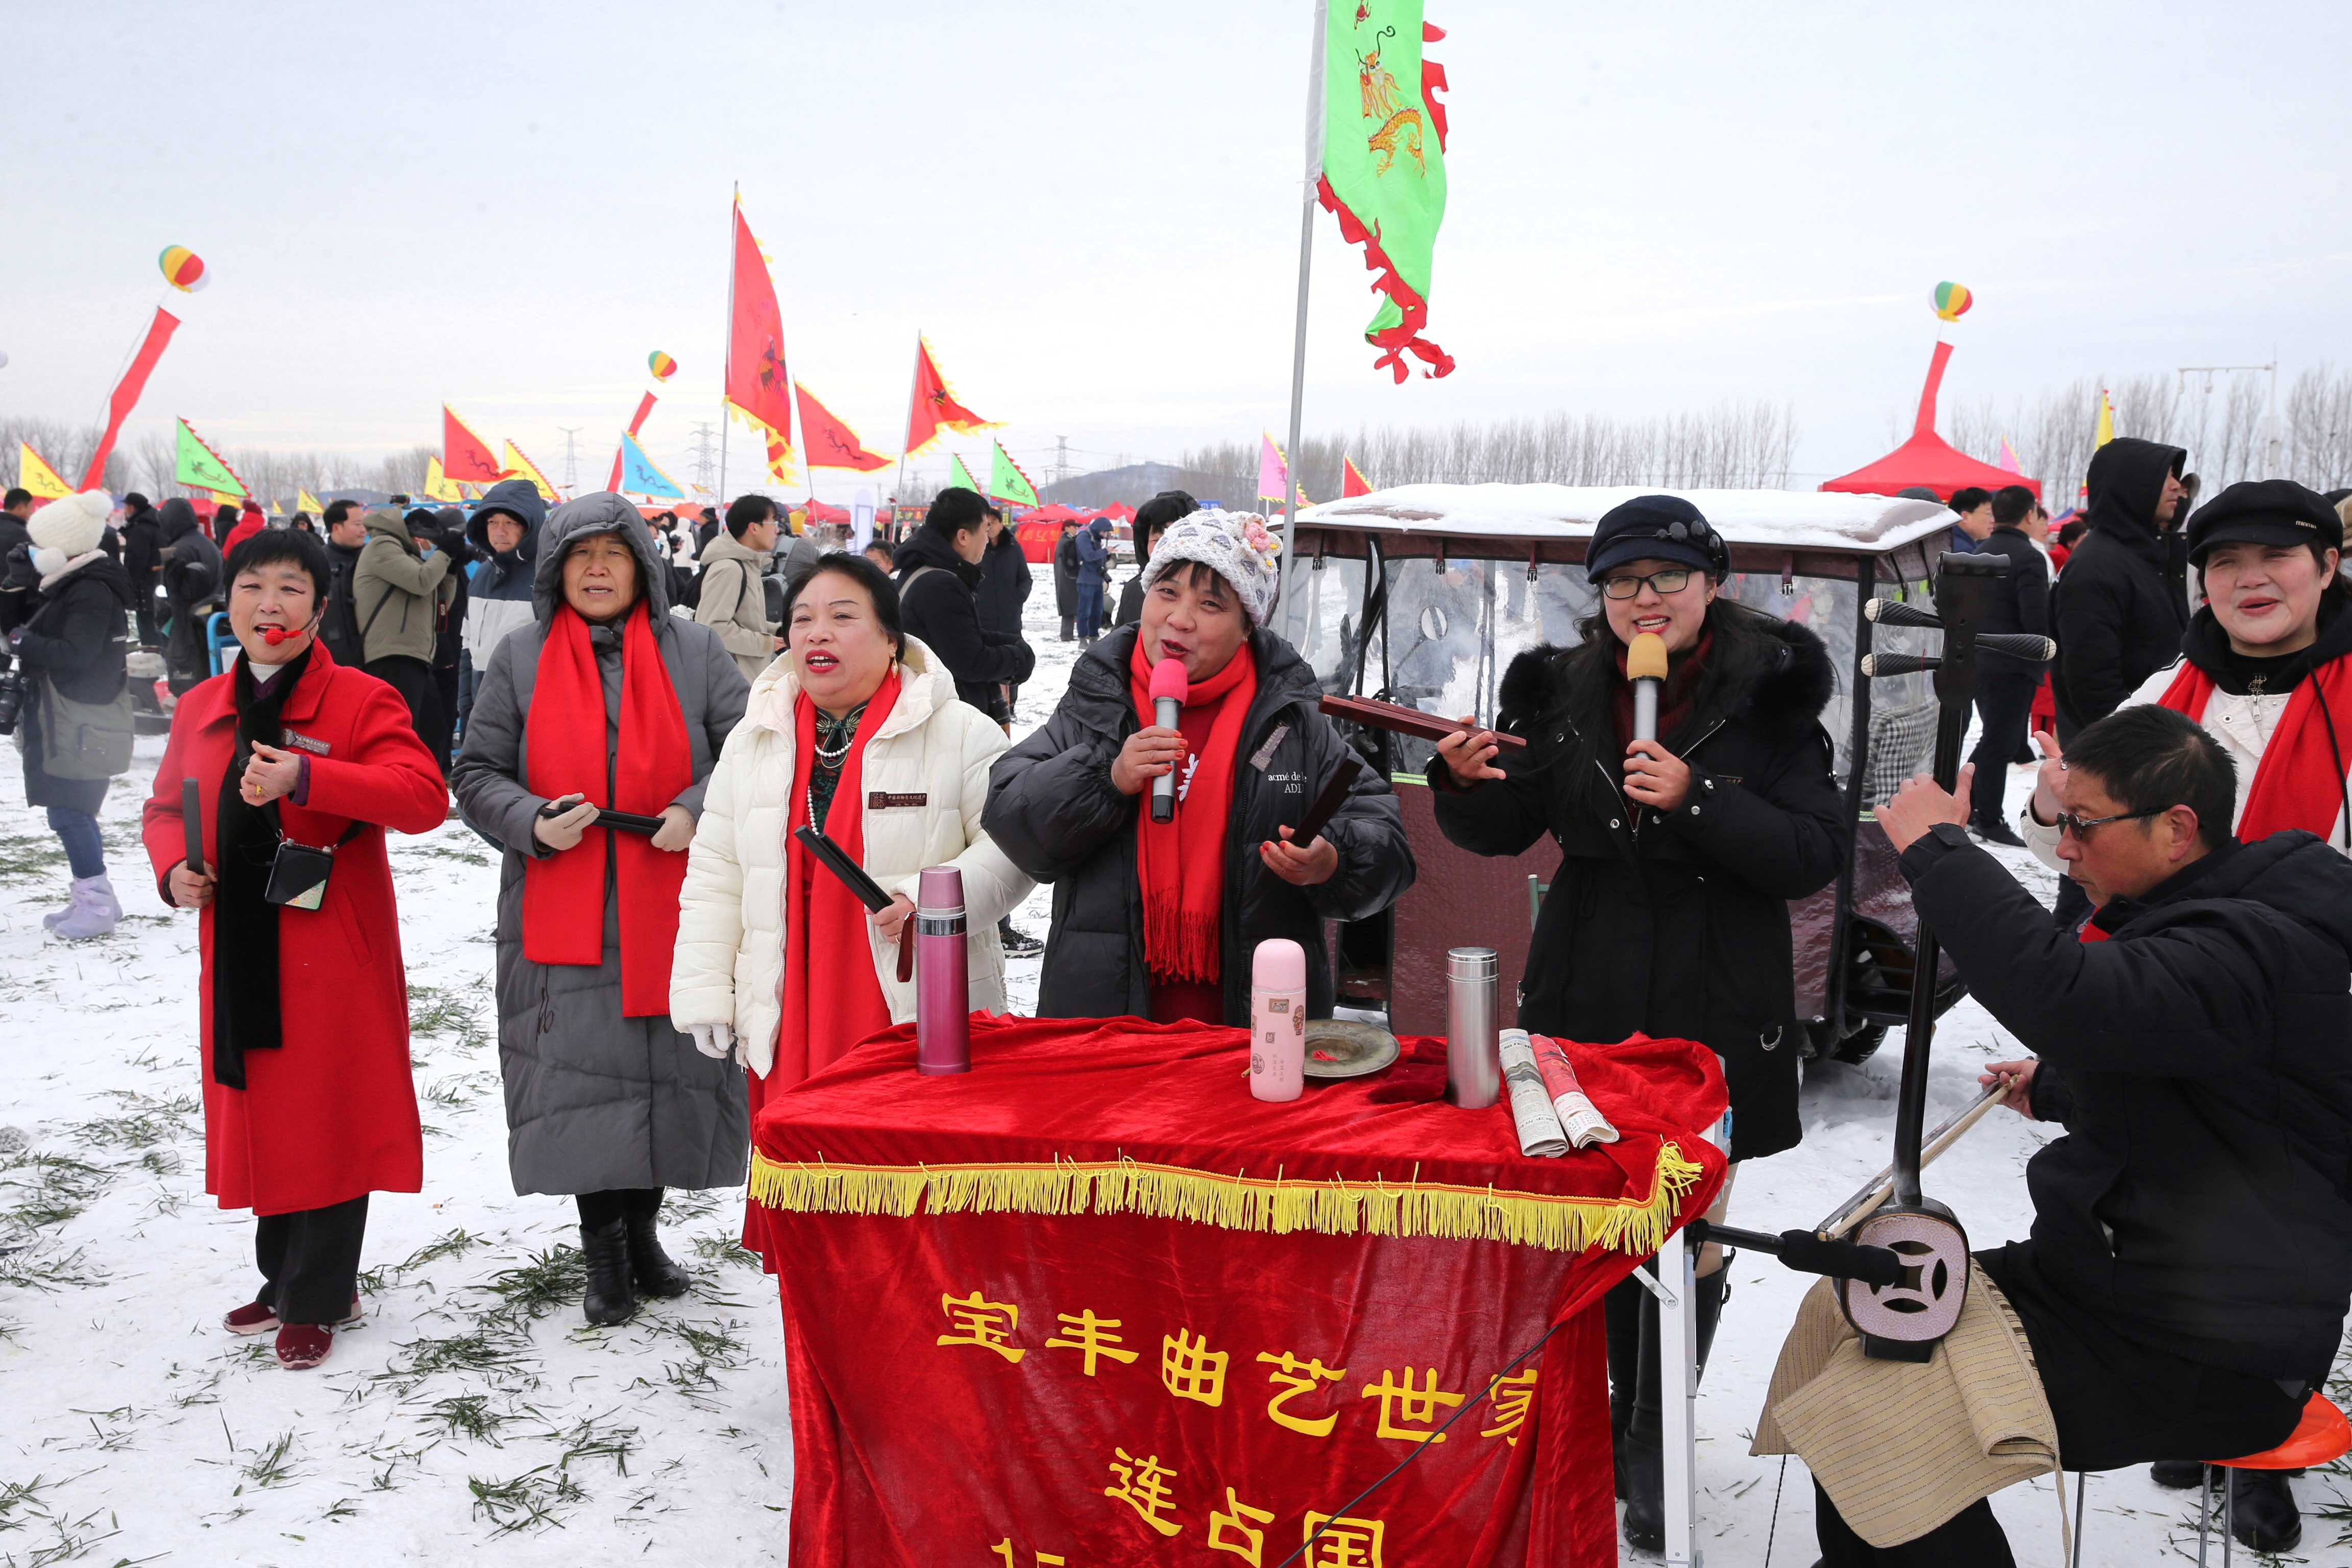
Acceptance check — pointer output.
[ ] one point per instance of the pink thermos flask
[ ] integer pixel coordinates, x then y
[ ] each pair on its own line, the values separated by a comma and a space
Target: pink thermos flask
942, 975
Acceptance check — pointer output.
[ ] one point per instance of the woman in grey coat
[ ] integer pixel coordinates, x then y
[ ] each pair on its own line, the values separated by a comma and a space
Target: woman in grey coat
604, 1100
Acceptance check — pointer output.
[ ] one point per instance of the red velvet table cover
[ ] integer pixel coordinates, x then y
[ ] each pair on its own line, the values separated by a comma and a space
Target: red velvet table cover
1093, 1304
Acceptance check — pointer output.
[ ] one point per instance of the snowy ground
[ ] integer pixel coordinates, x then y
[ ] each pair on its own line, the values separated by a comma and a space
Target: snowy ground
473, 1416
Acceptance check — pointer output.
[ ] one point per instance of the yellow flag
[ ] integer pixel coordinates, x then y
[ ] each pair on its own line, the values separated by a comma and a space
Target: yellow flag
36, 476
439, 486
2106, 428
517, 466
304, 500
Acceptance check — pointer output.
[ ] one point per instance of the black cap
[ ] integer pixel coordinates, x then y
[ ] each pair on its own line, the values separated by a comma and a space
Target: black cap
2264, 511
1656, 528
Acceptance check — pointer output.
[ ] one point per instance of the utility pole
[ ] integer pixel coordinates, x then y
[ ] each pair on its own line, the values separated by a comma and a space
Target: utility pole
571, 455
703, 459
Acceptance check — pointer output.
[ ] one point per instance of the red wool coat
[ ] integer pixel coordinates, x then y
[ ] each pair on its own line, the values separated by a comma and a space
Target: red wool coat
332, 1114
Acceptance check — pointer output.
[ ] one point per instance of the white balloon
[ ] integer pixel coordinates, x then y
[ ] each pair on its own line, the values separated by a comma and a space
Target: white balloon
4, 358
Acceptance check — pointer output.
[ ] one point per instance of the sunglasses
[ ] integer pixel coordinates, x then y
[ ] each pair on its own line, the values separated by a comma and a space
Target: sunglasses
2080, 826
1668, 582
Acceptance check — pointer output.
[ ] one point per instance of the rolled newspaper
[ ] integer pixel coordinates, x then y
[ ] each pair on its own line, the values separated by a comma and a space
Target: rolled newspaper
1540, 1136
1584, 1125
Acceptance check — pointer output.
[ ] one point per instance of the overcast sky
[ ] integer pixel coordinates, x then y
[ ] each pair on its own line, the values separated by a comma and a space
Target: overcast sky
1092, 209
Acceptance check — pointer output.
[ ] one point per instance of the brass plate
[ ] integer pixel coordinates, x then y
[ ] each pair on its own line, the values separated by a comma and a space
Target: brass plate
1352, 1049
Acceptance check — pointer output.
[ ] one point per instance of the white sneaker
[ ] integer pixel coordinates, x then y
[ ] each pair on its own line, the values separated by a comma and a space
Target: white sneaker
94, 912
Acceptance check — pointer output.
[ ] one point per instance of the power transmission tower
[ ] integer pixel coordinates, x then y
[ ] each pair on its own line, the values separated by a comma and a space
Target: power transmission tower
704, 458
571, 455
1061, 458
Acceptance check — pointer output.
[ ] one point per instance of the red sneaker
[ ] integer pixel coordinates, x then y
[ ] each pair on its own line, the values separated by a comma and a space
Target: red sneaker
303, 1345
253, 1318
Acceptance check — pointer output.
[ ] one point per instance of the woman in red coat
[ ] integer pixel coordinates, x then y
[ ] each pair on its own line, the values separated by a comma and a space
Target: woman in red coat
308, 1106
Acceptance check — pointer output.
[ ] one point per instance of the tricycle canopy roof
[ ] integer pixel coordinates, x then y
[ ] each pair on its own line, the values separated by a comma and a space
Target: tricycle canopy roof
1553, 522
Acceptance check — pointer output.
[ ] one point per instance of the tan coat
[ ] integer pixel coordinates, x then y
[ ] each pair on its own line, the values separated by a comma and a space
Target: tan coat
735, 605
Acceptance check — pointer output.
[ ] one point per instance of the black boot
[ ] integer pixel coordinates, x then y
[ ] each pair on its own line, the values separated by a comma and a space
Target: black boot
1622, 1311
2180, 1475
2262, 1510
1644, 1470
653, 1270
607, 1248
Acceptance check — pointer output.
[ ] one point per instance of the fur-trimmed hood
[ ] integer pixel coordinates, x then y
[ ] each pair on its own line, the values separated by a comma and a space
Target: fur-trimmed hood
1773, 673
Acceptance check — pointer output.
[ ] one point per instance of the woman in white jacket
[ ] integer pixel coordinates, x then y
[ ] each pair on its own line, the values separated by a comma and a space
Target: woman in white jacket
858, 729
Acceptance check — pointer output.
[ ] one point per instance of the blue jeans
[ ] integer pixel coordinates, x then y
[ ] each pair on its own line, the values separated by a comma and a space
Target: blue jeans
78, 831
1090, 609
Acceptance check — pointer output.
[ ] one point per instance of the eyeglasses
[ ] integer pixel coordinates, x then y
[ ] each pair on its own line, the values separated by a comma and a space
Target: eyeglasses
2080, 826
1669, 582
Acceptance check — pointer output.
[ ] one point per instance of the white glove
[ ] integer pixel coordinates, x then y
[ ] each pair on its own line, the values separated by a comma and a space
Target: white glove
713, 1040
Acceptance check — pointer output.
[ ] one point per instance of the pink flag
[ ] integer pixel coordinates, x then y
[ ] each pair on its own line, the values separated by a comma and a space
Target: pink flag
2009, 458
1273, 471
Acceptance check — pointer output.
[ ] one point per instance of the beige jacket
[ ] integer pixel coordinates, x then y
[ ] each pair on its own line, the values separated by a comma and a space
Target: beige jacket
734, 603
729, 964
398, 592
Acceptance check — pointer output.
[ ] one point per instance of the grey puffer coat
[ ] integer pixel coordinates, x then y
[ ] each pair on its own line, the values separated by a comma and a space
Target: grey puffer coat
596, 1100
1053, 811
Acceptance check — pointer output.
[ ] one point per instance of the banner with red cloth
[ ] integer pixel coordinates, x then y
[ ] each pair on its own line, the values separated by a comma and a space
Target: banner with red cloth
757, 386
1092, 1303
126, 393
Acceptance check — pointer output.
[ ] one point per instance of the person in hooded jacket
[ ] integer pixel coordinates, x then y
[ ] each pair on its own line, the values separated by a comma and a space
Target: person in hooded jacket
399, 591
606, 700
939, 579
192, 589
71, 648
142, 537
503, 536
1160, 921
2116, 620
1094, 574
250, 520
2190, 1262
1669, 913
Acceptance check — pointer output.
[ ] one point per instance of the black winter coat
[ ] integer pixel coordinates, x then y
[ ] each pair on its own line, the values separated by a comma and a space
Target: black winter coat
1066, 576
1053, 811
942, 609
2119, 619
74, 641
1675, 925
1005, 584
2201, 1200
2022, 604
192, 576
15, 602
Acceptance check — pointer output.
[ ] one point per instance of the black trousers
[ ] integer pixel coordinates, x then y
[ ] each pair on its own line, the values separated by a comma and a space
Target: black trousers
414, 681
2005, 706
598, 1210
2117, 1403
309, 1261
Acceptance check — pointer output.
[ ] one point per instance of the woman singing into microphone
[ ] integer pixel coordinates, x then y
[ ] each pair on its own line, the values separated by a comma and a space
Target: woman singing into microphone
1679, 855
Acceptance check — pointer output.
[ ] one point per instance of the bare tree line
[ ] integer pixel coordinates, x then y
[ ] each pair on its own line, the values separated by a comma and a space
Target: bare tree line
1733, 445
145, 462
2220, 420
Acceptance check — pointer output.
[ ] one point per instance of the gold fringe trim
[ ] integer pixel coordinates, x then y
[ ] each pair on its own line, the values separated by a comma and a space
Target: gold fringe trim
1335, 1206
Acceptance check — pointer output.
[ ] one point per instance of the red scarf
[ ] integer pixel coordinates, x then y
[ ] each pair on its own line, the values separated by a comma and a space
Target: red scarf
2299, 783
563, 894
833, 998
1181, 865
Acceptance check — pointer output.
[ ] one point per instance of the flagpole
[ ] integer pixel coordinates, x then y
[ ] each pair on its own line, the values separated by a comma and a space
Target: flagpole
914, 381
727, 360
1291, 454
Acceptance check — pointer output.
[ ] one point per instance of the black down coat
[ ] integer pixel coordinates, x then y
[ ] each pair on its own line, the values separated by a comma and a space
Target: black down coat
1675, 925
1053, 811
2201, 1200
2119, 619
74, 642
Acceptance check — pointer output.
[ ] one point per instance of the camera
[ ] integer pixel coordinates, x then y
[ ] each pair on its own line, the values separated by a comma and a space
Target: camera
12, 698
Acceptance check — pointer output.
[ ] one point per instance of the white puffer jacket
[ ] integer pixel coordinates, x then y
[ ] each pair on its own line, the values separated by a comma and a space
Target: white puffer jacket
730, 966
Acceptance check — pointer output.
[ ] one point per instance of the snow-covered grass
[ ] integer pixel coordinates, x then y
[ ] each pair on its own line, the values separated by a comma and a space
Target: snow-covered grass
473, 1418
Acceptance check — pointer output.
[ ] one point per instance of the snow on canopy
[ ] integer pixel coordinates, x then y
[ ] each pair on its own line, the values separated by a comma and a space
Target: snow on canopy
1790, 520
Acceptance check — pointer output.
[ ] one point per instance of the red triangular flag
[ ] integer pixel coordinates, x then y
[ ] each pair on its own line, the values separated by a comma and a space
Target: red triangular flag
830, 443
934, 407
757, 387
1352, 480
464, 455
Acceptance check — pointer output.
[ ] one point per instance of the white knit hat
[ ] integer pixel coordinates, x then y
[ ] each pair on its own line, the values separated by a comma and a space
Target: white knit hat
1236, 545
69, 526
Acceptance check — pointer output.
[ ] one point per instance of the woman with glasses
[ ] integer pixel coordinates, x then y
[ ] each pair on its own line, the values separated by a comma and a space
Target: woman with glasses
1679, 856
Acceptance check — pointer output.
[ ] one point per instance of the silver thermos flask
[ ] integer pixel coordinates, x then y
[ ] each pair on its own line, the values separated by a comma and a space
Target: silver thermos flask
1473, 1062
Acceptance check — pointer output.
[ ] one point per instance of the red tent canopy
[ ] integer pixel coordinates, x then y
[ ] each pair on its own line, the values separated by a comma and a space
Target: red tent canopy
1927, 458
819, 512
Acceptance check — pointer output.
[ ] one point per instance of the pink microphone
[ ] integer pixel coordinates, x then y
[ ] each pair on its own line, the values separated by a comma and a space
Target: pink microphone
1169, 689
